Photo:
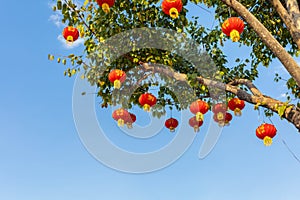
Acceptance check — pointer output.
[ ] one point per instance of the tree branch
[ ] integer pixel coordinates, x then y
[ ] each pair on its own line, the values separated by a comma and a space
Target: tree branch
293, 9
291, 113
285, 58
288, 20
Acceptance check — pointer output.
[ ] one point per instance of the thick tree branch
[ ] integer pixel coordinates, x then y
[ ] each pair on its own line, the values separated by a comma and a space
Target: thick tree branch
288, 20
291, 113
293, 9
285, 58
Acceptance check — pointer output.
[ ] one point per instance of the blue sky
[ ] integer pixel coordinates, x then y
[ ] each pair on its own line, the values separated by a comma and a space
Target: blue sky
42, 156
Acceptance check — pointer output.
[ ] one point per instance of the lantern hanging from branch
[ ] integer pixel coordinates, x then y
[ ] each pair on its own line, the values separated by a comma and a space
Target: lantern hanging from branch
120, 115
171, 124
70, 34
117, 77
129, 120
223, 119
106, 4
193, 122
266, 132
199, 108
147, 100
236, 105
233, 27
172, 7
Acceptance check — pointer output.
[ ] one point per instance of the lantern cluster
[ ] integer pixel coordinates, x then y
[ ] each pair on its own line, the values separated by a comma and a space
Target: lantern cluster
233, 27
236, 105
147, 100
70, 34
171, 124
266, 132
106, 4
120, 115
221, 116
172, 7
117, 77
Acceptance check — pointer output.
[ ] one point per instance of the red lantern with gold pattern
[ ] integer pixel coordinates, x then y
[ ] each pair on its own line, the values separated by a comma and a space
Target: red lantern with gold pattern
236, 105
266, 132
106, 4
222, 119
233, 27
117, 77
199, 108
171, 124
120, 115
219, 107
193, 122
147, 100
70, 34
129, 120
172, 7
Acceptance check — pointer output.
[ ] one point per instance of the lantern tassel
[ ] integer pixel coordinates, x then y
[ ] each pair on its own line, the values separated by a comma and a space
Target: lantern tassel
172, 129
105, 8
267, 141
237, 112
173, 13
117, 84
196, 129
120, 122
199, 116
129, 125
146, 107
234, 35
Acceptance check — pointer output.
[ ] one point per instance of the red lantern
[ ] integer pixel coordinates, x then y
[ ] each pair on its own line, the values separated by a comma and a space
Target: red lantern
171, 124
120, 115
172, 7
193, 122
199, 108
222, 119
147, 100
70, 34
117, 77
266, 132
236, 105
129, 120
106, 4
219, 107
233, 27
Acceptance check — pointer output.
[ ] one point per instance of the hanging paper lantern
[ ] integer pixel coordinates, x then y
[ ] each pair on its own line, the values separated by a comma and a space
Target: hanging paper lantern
129, 120
233, 27
120, 115
266, 132
117, 77
222, 119
172, 7
147, 100
70, 34
219, 107
171, 124
193, 122
236, 105
199, 108
106, 4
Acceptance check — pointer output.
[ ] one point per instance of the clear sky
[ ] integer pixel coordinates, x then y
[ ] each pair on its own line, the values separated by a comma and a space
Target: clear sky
42, 157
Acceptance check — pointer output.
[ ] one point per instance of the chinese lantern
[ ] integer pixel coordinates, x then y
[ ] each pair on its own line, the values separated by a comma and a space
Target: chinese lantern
117, 77
236, 105
129, 120
266, 132
120, 115
171, 124
199, 108
147, 100
233, 27
106, 4
172, 7
219, 107
222, 118
193, 122
70, 34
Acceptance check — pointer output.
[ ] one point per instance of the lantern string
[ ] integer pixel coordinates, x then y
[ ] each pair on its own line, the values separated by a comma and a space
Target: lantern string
287, 146
203, 8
